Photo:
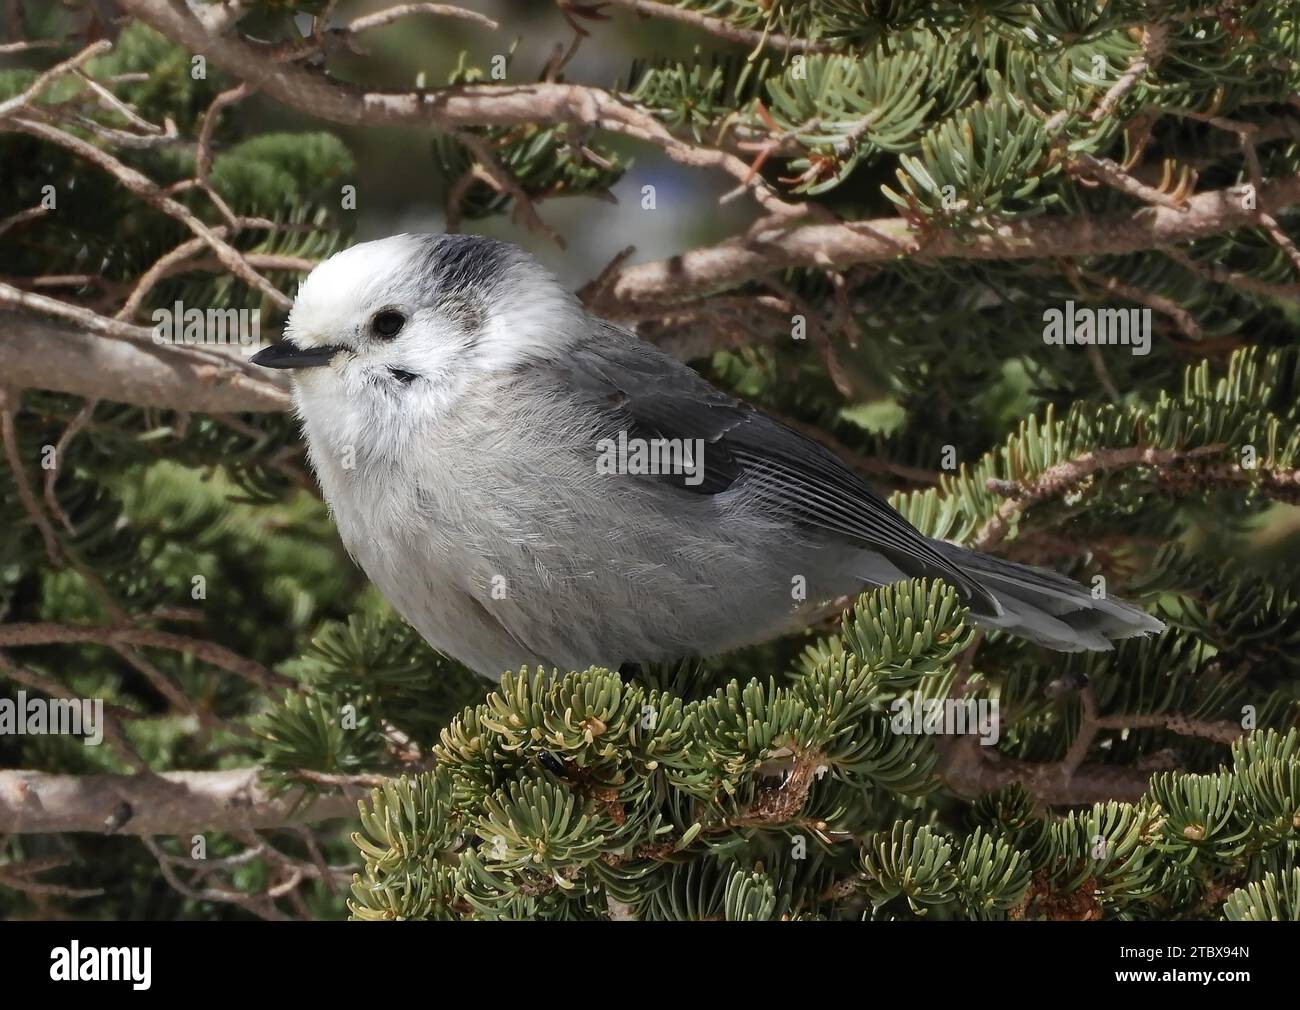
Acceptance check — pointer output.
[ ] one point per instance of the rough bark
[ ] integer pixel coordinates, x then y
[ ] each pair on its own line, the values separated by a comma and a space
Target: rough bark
168, 803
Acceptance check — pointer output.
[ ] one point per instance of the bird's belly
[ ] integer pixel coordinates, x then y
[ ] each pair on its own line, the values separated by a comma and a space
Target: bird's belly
547, 572
582, 591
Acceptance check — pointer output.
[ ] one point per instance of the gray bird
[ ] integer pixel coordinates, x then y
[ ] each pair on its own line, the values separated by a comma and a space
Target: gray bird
529, 485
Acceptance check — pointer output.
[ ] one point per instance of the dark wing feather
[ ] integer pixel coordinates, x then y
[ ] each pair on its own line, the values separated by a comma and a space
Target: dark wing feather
654, 395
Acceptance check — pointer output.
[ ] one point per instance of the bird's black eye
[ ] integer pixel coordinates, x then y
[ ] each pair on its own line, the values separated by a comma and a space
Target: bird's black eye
387, 323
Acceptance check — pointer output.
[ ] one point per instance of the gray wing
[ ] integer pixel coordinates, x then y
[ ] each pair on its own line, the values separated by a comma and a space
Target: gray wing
654, 395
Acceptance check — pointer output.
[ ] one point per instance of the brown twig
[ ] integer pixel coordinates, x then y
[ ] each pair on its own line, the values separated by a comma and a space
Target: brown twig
1181, 318
723, 29
1220, 275
112, 729
1113, 175
261, 905
30, 214
8, 407
391, 14
203, 150
11, 105
496, 176
1155, 39
145, 188
24, 634
449, 108
170, 803
78, 422
1065, 477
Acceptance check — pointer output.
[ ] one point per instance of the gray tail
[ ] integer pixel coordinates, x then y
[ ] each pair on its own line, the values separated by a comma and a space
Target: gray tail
1047, 608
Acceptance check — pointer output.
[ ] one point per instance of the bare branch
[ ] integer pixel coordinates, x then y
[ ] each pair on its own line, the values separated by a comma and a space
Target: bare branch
12, 105
8, 406
1155, 38
972, 771
30, 214
1113, 175
78, 422
723, 29
1216, 273
70, 357
1063, 478
261, 905
145, 188
159, 803
884, 240
449, 108
1181, 318
52, 688
19, 876
391, 14
20, 634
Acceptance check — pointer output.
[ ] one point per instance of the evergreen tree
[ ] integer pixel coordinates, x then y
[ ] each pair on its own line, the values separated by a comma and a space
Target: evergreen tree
935, 221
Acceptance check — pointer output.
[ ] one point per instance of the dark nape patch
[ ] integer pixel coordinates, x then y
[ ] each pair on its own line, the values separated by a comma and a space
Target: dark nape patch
459, 263
465, 271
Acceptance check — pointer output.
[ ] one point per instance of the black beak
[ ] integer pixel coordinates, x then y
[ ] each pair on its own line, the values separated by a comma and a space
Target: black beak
287, 354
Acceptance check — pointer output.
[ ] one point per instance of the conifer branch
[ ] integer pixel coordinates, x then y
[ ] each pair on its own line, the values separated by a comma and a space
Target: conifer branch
972, 771
1063, 478
923, 210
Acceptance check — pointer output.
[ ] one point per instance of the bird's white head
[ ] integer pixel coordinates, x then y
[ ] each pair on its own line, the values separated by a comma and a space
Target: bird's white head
385, 336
